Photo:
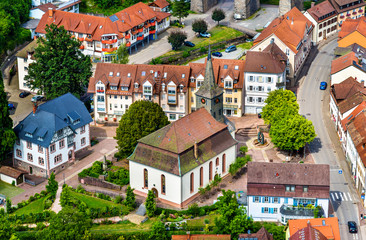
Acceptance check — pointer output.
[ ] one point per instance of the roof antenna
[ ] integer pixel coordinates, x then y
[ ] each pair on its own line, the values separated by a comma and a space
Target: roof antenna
209, 53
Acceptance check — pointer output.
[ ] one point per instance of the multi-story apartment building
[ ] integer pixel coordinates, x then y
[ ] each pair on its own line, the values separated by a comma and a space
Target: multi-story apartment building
117, 86
264, 72
348, 9
279, 192
49, 137
324, 18
101, 36
292, 33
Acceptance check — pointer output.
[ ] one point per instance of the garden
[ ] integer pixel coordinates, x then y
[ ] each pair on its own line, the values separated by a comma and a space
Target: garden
9, 190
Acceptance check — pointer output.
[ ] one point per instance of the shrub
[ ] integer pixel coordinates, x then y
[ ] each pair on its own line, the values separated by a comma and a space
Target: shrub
31, 199
206, 221
202, 191
155, 61
40, 226
203, 50
243, 149
186, 54
43, 193
202, 212
37, 196
13, 182
120, 177
118, 199
80, 189
193, 209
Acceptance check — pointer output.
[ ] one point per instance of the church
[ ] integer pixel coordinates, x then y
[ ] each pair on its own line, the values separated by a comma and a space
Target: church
178, 159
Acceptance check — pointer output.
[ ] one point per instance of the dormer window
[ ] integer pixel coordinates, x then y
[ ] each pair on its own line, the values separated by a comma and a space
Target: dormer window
124, 88
27, 134
236, 67
114, 88
165, 74
183, 75
192, 80
136, 85
181, 88
118, 74
40, 139
228, 84
111, 74
225, 66
143, 73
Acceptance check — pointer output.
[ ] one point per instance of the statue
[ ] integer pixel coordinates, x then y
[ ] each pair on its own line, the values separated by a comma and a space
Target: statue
260, 138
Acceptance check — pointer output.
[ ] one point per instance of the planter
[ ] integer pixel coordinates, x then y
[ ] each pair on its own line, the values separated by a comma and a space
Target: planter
105, 118
114, 119
81, 47
128, 36
152, 24
341, 17
128, 44
354, 13
88, 39
140, 38
140, 30
360, 11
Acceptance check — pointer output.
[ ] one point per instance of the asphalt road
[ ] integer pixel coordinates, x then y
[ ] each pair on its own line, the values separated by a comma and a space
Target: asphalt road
343, 195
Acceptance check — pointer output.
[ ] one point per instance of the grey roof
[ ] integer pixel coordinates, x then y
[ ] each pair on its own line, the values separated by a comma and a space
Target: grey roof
31, 24
51, 117
209, 88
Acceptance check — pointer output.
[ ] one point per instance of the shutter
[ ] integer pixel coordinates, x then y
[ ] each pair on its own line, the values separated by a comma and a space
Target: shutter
262, 199
271, 200
259, 199
253, 198
286, 200
262, 210
271, 210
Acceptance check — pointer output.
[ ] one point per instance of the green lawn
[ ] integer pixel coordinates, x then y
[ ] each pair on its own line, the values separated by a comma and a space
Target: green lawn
272, 2
201, 221
34, 207
125, 226
246, 45
218, 34
93, 202
9, 190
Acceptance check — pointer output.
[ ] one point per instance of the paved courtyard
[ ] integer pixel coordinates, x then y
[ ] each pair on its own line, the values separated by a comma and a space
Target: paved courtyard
265, 15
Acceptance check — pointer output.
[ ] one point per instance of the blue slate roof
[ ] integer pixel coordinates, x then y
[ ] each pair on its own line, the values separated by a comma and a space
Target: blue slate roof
64, 111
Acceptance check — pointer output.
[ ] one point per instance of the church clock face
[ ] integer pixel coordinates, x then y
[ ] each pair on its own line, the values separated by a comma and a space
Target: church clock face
203, 100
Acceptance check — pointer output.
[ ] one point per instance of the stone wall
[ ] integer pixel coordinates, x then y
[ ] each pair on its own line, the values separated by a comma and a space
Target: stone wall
37, 171
245, 8
287, 5
98, 182
202, 6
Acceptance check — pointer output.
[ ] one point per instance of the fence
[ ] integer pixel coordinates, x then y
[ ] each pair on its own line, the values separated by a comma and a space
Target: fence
98, 182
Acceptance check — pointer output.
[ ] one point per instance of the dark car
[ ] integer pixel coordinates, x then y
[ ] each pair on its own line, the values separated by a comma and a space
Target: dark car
230, 49
352, 227
217, 54
259, 115
323, 85
189, 44
11, 106
24, 94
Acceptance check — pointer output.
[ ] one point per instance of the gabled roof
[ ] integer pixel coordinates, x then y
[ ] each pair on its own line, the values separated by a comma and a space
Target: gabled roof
290, 173
270, 60
351, 25
51, 117
202, 237
45, 7
289, 28
11, 172
320, 10
357, 131
159, 3
327, 227
353, 114
343, 62
262, 234
27, 49
351, 102
346, 89
338, 3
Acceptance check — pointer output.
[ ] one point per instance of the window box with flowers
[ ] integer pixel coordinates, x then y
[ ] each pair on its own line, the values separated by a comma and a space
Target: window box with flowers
348, 14
341, 17
354, 13
105, 118
114, 119
360, 11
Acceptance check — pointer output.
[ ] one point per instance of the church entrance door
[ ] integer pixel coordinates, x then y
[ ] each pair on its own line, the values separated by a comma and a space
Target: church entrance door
155, 192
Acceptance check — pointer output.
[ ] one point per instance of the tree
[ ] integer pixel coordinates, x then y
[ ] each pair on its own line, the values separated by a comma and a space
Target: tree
130, 200
177, 38
52, 185
292, 133
218, 15
65, 198
69, 223
199, 26
104, 4
180, 9
279, 103
158, 231
150, 204
6, 230
7, 135
122, 55
8, 206
141, 119
60, 66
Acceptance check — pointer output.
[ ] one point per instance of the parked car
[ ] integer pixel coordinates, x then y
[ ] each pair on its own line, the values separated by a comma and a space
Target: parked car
24, 94
259, 115
231, 49
323, 85
217, 54
352, 227
205, 35
189, 44
37, 98
11, 106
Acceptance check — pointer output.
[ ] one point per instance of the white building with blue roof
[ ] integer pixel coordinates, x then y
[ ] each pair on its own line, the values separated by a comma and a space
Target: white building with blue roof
49, 137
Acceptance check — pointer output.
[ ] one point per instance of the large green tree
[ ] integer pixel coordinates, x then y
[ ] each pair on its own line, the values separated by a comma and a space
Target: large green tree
130, 200
6, 229
122, 55
199, 26
158, 231
7, 135
141, 119
150, 204
52, 185
180, 9
107, 3
177, 38
292, 133
69, 223
218, 15
279, 103
60, 66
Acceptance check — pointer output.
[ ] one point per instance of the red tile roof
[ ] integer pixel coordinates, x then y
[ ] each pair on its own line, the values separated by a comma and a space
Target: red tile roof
289, 28
202, 237
352, 115
336, 4
343, 62
351, 102
322, 9
45, 7
262, 234
346, 89
357, 131
160, 3
327, 227
350, 25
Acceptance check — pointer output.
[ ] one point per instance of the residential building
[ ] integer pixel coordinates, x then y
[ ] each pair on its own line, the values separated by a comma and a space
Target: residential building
117, 86
49, 137
341, 51
347, 9
24, 58
41, 7
324, 18
189, 236
264, 71
280, 192
349, 65
324, 228
160, 5
11, 175
292, 33
101, 36
31, 25
353, 31
262, 234
229, 76
178, 159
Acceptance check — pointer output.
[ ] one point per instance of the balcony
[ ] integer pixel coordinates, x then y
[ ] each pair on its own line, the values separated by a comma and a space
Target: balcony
109, 49
88, 39
300, 212
127, 36
140, 38
109, 41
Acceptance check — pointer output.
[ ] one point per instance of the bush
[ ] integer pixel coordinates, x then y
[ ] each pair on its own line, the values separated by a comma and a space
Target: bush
155, 61
120, 177
31, 199
186, 54
37, 196
13, 182
80, 189
118, 199
193, 209
203, 50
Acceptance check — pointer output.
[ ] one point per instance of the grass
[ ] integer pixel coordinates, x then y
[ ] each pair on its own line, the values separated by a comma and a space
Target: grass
36, 206
93, 202
218, 34
246, 45
271, 2
125, 226
89, 6
201, 221
9, 190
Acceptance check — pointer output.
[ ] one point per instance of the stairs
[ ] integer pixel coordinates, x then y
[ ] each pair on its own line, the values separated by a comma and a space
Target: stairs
247, 132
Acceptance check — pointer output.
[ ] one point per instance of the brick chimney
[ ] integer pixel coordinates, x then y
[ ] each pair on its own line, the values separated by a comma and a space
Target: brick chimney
312, 4
35, 106
195, 150
50, 12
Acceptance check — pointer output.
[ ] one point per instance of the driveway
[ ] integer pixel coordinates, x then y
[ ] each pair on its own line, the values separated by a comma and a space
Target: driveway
265, 15
231, 55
